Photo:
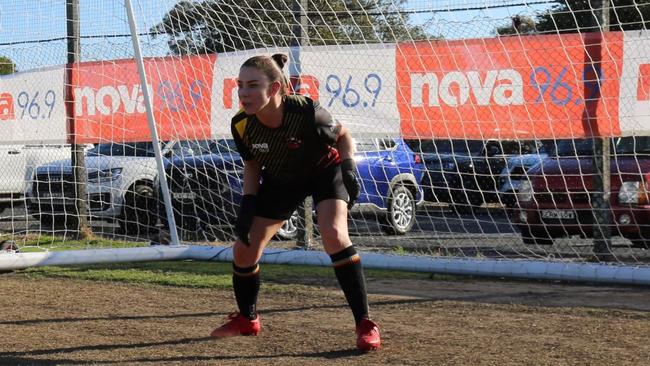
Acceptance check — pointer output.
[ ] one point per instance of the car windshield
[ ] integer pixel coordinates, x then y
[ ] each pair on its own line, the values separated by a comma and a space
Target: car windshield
139, 149
516, 147
580, 147
633, 145
451, 147
223, 146
574, 147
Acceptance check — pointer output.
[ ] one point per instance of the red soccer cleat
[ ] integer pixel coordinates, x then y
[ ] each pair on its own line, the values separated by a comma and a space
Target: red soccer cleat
368, 338
238, 325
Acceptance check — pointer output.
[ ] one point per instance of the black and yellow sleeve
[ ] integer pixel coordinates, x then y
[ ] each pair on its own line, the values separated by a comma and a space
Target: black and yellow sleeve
238, 130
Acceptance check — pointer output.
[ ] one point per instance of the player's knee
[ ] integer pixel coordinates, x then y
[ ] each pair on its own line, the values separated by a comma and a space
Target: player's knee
334, 235
245, 255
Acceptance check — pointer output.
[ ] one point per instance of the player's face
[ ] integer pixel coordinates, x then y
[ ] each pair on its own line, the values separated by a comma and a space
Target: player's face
254, 91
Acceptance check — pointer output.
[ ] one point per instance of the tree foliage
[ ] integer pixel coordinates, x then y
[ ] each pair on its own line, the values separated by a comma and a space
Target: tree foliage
571, 16
7, 66
229, 25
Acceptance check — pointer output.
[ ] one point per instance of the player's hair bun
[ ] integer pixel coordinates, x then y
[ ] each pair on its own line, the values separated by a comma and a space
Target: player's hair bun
280, 59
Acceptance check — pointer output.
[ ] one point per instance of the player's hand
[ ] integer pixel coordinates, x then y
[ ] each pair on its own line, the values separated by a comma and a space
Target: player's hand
350, 181
245, 218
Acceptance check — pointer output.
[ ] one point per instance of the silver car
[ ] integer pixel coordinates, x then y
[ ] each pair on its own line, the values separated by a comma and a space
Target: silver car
120, 185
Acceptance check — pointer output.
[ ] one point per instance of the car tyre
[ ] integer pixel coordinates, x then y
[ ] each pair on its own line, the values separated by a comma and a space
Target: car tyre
138, 211
400, 217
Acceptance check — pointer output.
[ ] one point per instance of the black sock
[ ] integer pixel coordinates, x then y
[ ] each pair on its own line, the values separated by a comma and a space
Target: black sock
246, 283
349, 272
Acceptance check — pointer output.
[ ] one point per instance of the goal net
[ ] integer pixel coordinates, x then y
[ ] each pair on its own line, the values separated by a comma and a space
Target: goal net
494, 131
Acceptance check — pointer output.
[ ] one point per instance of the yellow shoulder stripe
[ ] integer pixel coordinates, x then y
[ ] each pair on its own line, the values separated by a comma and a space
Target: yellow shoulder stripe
241, 127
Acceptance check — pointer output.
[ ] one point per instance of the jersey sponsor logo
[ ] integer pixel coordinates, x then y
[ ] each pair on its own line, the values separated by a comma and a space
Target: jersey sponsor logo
293, 143
262, 147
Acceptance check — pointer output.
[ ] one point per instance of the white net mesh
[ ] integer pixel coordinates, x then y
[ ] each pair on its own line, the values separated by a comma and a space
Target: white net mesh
474, 120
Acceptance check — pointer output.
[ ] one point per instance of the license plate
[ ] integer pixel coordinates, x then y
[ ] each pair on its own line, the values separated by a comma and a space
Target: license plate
184, 195
558, 214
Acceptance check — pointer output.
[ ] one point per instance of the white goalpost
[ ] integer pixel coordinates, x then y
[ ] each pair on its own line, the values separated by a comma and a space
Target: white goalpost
494, 138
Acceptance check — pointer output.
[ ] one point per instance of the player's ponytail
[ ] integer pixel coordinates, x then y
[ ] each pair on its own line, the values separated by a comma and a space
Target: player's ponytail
280, 59
271, 66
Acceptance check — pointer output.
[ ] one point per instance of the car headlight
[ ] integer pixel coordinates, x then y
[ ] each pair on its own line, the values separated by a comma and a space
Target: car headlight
525, 193
105, 175
630, 192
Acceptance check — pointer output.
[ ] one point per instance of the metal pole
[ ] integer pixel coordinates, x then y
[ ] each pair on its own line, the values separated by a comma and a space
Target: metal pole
77, 150
601, 162
162, 178
306, 231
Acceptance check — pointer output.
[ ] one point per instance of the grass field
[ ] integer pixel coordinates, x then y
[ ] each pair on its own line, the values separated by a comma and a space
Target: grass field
161, 313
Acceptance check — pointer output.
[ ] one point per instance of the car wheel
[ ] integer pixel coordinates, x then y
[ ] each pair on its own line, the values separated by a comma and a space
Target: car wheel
535, 237
138, 211
289, 230
400, 217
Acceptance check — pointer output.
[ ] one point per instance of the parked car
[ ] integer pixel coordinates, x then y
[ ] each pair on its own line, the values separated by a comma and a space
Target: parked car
120, 185
442, 180
514, 171
206, 190
18, 163
556, 200
466, 173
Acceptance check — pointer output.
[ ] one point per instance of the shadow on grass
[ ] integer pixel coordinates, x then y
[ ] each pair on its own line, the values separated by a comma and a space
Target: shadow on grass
198, 315
28, 357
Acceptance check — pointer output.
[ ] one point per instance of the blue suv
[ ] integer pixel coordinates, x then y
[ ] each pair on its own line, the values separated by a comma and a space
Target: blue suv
206, 189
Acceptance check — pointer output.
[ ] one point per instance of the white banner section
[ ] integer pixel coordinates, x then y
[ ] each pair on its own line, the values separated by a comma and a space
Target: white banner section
634, 97
32, 107
357, 84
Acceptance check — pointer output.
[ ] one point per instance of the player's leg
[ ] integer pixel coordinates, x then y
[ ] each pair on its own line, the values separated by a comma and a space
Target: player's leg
333, 226
246, 279
331, 207
272, 210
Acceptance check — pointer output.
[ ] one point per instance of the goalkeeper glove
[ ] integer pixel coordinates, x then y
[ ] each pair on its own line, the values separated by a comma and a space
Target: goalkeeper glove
349, 174
245, 218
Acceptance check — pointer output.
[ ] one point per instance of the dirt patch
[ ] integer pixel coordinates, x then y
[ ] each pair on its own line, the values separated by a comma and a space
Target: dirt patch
473, 322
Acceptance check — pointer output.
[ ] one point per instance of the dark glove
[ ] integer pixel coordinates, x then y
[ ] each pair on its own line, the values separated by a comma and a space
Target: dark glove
349, 173
245, 218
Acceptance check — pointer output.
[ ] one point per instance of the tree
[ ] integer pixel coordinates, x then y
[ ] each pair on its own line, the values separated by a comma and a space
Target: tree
230, 25
572, 16
7, 66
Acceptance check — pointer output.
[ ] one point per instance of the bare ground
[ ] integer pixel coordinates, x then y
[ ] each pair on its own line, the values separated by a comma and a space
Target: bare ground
464, 322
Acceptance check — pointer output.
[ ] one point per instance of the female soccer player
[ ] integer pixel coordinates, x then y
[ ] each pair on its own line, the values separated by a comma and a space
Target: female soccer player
293, 147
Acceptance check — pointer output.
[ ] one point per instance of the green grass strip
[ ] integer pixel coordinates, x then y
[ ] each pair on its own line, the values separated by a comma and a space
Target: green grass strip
205, 274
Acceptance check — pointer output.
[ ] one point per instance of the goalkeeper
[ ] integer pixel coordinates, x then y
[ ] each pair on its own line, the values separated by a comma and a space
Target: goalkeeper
293, 147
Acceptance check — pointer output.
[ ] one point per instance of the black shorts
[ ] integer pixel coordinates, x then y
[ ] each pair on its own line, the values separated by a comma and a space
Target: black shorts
279, 201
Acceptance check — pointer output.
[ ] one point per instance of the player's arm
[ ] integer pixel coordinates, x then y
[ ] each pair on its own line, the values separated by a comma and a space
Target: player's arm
332, 132
251, 184
252, 174
345, 144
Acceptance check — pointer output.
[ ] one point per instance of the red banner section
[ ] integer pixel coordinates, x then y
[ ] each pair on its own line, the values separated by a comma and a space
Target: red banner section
555, 86
109, 102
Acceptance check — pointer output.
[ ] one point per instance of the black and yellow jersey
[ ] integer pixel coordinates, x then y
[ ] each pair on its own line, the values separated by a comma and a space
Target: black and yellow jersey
297, 149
